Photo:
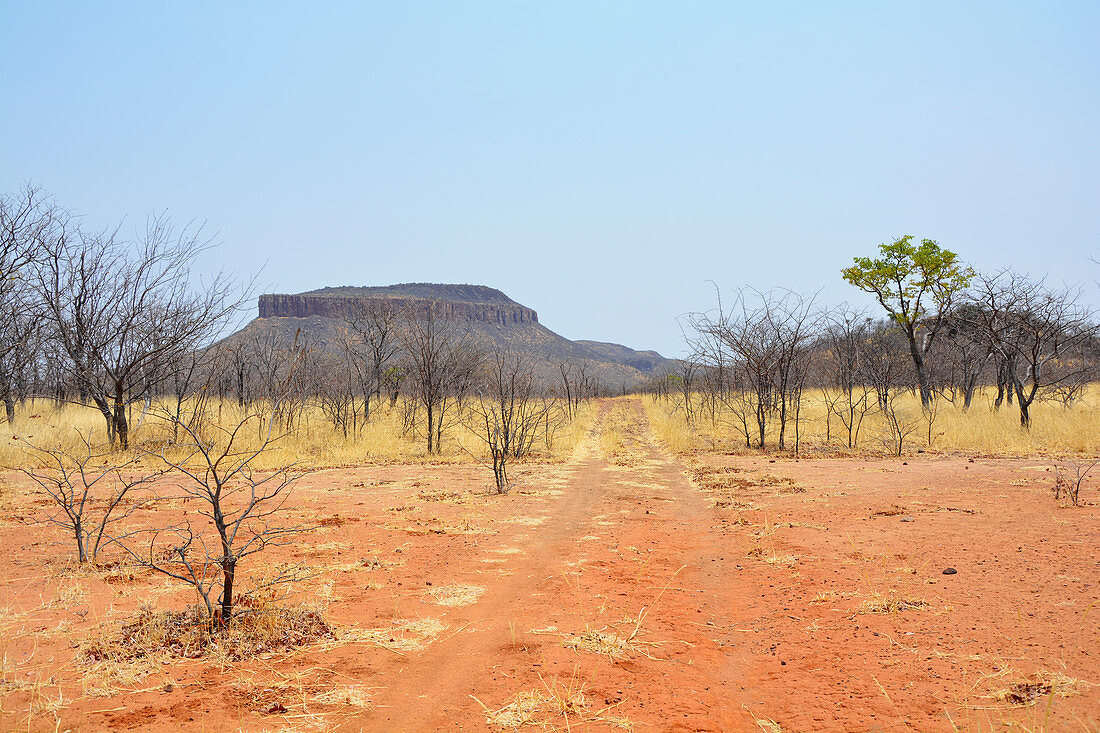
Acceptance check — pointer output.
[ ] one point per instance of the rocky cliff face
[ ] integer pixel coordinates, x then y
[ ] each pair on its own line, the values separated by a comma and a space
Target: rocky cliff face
335, 306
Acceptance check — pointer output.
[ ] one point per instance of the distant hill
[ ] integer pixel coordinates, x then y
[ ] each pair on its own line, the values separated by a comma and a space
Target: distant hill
426, 291
493, 320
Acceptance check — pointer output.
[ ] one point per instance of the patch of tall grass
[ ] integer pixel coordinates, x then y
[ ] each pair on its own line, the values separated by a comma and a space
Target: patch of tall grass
310, 439
1056, 429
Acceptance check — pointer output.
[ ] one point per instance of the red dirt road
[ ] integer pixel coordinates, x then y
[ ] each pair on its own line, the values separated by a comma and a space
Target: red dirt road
629, 589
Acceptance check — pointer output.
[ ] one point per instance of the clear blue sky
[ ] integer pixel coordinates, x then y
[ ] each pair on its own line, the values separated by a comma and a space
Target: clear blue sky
599, 162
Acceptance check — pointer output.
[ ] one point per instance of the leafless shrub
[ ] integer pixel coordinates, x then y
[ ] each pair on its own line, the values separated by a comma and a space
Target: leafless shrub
576, 383
371, 348
509, 412
1069, 477
91, 491
237, 510
900, 424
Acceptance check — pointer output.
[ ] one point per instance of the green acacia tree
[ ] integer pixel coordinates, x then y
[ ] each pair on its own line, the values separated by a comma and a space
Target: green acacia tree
917, 285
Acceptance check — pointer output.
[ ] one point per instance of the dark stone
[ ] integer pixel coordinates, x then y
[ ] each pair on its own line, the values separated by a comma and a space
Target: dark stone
342, 306
949, 571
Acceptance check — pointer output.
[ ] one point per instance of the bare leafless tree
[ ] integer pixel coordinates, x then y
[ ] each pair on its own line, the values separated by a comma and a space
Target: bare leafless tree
28, 221
441, 363
233, 511
764, 344
961, 356
510, 411
1038, 332
372, 347
91, 491
686, 375
335, 387
845, 383
885, 366
120, 311
576, 383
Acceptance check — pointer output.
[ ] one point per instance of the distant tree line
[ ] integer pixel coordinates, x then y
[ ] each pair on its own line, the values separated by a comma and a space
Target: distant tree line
948, 332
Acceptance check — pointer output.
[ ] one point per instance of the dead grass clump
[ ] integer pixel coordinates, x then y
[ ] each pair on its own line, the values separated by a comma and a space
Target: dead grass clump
828, 596
304, 697
782, 484
347, 695
406, 635
189, 634
1028, 690
557, 704
374, 563
892, 511
730, 503
722, 480
438, 495
603, 641
891, 604
457, 595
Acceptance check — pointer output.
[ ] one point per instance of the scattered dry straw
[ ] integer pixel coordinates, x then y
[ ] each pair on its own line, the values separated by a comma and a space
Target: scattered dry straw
891, 604
1029, 690
556, 705
457, 595
401, 637
190, 634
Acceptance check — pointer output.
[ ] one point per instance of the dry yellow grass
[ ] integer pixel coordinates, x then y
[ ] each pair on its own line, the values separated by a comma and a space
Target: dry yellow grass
311, 441
1056, 429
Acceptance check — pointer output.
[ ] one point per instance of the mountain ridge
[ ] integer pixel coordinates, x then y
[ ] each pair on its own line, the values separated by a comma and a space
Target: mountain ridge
494, 320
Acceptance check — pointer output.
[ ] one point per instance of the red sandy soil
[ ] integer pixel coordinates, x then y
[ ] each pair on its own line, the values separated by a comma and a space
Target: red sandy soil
740, 591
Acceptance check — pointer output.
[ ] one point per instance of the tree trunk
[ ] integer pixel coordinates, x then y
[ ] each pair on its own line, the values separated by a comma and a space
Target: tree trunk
240, 388
922, 377
229, 569
108, 417
1025, 405
431, 426
782, 421
9, 408
121, 426
81, 551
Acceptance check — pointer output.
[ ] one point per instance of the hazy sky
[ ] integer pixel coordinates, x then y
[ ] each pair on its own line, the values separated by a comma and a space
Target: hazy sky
599, 162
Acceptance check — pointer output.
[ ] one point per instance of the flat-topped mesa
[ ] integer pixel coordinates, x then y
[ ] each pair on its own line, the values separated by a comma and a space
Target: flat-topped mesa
345, 306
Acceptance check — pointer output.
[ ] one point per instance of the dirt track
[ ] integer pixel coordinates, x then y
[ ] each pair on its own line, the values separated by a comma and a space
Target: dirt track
710, 593
621, 540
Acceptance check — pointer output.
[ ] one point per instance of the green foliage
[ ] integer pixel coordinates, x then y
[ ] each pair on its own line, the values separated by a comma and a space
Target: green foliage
908, 278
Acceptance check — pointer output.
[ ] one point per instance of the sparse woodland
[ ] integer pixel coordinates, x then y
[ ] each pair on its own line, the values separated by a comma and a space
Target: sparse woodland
160, 443
114, 375
957, 355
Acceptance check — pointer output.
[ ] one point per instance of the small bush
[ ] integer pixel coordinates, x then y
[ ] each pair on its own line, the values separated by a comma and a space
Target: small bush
1068, 479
